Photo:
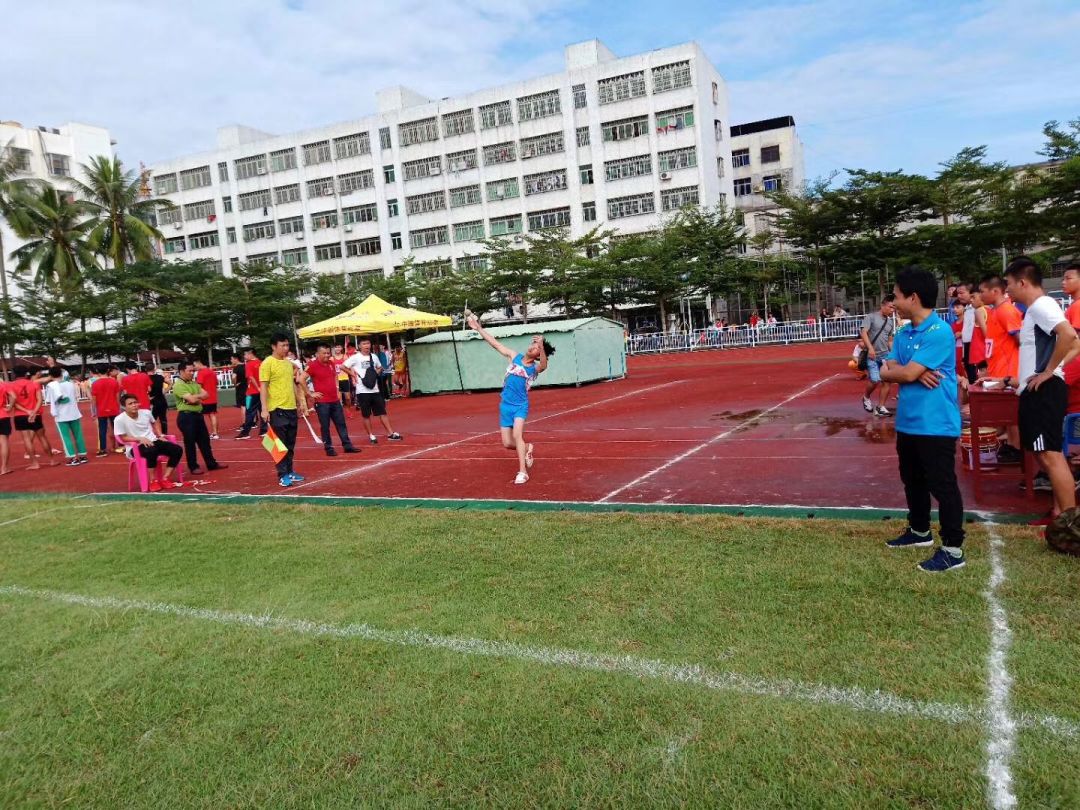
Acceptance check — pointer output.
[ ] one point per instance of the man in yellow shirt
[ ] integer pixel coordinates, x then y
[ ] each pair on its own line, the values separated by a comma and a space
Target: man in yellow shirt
280, 392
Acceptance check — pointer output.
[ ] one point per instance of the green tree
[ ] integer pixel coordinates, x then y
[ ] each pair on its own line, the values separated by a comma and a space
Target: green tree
57, 250
1062, 143
515, 275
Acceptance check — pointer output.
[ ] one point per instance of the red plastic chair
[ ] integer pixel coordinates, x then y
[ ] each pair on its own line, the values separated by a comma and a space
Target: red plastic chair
138, 470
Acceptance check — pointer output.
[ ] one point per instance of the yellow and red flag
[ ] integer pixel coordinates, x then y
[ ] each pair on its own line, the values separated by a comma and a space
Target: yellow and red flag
274, 446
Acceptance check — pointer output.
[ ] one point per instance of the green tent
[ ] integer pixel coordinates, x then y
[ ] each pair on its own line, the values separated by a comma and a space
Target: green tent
586, 350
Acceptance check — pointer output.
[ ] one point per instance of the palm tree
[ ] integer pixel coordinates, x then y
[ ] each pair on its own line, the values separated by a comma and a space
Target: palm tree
57, 229
122, 231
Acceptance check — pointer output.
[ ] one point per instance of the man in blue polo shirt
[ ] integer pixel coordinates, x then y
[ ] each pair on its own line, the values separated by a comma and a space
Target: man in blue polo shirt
923, 362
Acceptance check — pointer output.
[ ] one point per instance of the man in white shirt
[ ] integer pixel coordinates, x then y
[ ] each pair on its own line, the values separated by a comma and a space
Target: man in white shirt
63, 400
135, 425
1047, 342
364, 367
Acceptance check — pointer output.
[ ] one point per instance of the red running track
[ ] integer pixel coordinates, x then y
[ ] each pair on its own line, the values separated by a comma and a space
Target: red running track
772, 426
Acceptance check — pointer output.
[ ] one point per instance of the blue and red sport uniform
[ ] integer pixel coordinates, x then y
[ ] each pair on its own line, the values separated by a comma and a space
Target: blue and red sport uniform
515, 394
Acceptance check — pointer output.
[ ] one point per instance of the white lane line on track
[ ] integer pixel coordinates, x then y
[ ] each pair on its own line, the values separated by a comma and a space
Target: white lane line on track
1000, 725
471, 437
718, 437
850, 697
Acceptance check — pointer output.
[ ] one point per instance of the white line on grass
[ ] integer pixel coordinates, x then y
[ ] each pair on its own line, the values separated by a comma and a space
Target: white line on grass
698, 448
472, 436
1000, 724
851, 697
54, 509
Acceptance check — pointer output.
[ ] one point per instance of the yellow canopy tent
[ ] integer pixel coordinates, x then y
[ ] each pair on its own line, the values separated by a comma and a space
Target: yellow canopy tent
372, 316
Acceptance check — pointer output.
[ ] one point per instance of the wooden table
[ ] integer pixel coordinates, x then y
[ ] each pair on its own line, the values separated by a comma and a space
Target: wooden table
995, 408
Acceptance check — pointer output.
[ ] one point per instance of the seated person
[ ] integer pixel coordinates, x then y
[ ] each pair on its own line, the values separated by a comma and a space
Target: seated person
136, 426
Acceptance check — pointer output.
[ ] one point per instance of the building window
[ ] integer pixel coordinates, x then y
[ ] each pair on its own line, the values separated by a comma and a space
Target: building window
770, 154
20, 159
540, 105
544, 182
212, 265
588, 211
742, 186
258, 230
318, 152
715, 93
287, 194
771, 182
230, 235
362, 277
324, 219
499, 153
363, 247
384, 138
625, 129
395, 241
175, 245
466, 195
719, 167
623, 168
360, 213
670, 77
673, 199
282, 159
223, 171
585, 175
718, 130
352, 145
426, 237
388, 174
60, 166
322, 187
621, 88
673, 120
290, 225
226, 204
250, 166
580, 100
552, 218
170, 216
294, 257
472, 264
677, 159
234, 264
263, 258
423, 203
469, 231
391, 208
635, 204
165, 184
327, 252
254, 199
549, 144
203, 240
355, 181
461, 161
503, 189
415, 132
430, 270
192, 178
504, 226
582, 136
458, 123
496, 115
740, 157
198, 210
425, 167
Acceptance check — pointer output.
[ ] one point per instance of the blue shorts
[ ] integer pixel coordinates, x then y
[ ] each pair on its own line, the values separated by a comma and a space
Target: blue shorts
873, 369
508, 413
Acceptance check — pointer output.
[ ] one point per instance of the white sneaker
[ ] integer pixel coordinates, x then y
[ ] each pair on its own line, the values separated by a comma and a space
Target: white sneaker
521, 478
867, 405
214, 436
881, 410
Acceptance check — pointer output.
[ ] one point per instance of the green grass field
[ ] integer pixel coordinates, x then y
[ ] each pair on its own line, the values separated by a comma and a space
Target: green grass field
228, 655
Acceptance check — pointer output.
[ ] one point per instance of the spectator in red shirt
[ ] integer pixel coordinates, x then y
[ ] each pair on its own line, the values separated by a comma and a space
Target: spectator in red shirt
137, 383
28, 420
7, 403
253, 410
1070, 284
106, 395
207, 378
323, 373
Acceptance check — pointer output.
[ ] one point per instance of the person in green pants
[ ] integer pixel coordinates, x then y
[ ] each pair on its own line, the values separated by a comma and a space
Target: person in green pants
63, 401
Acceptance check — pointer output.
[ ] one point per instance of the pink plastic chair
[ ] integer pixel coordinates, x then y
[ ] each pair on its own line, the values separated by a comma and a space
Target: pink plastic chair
138, 469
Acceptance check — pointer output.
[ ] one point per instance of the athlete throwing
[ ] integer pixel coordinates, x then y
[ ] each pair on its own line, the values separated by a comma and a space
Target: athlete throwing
514, 406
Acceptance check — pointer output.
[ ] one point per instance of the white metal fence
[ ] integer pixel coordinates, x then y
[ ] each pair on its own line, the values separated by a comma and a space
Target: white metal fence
734, 337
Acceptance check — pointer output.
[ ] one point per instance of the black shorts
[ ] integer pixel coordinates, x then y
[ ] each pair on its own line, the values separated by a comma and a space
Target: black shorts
211, 408
23, 423
5, 427
1042, 415
371, 404
344, 386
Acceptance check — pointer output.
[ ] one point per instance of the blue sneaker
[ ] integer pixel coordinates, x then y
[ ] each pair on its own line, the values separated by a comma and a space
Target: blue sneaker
296, 479
911, 540
285, 481
943, 561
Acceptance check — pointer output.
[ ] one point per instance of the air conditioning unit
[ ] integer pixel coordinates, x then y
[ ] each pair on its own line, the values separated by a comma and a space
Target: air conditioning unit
434, 171
348, 229
179, 226
498, 195
758, 190
260, 170
519, 238
299, 237
665, 175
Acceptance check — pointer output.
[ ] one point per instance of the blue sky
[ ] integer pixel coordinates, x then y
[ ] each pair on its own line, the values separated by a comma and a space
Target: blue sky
884, 85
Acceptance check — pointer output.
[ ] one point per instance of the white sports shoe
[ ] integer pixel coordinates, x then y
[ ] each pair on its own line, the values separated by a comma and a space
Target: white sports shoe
867, 405
521, 478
